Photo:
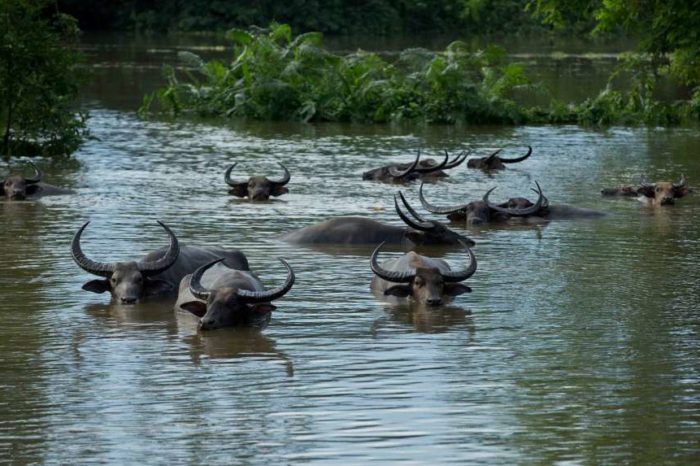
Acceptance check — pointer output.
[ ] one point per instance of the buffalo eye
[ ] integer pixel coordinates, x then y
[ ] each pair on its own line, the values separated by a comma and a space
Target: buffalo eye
113, 281
418, 282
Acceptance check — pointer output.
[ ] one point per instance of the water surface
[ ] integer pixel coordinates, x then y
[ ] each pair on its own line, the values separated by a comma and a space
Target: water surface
578, 344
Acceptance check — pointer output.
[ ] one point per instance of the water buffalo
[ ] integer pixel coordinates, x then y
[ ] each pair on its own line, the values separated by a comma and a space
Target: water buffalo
230, 297
257, 188
418, 169
427, 280
18, 187
484, 211
365, 231
157, 273
494, 162
654, 194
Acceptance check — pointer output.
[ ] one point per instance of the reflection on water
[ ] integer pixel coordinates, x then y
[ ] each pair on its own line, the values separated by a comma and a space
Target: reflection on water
578, 344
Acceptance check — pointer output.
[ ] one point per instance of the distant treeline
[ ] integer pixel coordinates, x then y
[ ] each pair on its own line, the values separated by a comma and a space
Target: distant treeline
335, 17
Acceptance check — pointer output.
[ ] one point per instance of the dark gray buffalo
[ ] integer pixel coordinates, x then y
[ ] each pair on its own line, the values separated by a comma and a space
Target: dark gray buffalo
227, 297
365, 231
494, 162
654, 194
484, 211
425, 279
418, 169
157, 273
18, 187
257, 188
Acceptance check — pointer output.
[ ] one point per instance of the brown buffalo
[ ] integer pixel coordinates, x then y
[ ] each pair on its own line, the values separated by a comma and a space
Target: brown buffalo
364, 231
494, 162
425, 279
418, 169
231, 297
655, 194
484, 211
18, 187
158, 273
257, 188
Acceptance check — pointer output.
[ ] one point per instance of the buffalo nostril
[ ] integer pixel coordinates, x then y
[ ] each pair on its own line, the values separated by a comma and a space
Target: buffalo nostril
128, 300
434, 301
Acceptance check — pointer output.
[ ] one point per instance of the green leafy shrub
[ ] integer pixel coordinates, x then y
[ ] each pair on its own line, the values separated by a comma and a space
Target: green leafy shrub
39, 81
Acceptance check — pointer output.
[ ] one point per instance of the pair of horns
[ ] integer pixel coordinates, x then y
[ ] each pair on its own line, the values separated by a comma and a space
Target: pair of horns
227, 177
444, 165
513, 160
105, 269
451, 276
542, 201
247, 296
682, 183
417, 222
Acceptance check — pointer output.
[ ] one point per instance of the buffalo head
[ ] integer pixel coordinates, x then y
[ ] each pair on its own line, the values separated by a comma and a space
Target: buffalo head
484, 211
427, 232
663, 192
18, 187
230, 304
426, 168
494, 162
257, 188
425, 285
127, 281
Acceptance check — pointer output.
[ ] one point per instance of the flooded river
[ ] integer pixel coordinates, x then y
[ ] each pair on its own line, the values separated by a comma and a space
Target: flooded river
580, 343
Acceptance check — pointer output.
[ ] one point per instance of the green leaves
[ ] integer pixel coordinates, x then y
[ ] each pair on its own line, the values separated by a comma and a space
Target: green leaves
39, 80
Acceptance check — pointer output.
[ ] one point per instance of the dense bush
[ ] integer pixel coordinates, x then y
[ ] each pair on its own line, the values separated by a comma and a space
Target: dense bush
39, 81
277, 76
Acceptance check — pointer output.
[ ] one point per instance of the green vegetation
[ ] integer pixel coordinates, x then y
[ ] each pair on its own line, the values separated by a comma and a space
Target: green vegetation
38, 81
275, 76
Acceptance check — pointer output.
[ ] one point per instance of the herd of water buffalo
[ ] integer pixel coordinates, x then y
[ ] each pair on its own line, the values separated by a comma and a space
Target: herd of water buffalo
216, 284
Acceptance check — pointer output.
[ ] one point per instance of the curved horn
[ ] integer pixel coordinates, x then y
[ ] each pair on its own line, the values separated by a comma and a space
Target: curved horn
457, 161
545, 202
396, 173
102, 269
438, 210
168, 259
390, 276
533, 209
682, 183
518, 159
411, 210
227, 176
196, 288
269, 295
285, 179
37, 175
411, 223
460, 275
434, 168
643, 182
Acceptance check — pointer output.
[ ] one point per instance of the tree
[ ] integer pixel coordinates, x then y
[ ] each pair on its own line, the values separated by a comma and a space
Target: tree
39, 80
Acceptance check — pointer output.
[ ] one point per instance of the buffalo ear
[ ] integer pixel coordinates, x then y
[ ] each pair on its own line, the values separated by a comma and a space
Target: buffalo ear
647, 191
278, 190
97, 286
155, 286
263, 307
32, 189
398, 290
197, 308
239, 190
456, 289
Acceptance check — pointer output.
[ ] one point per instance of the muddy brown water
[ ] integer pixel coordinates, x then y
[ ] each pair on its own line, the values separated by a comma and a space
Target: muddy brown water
579, 343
